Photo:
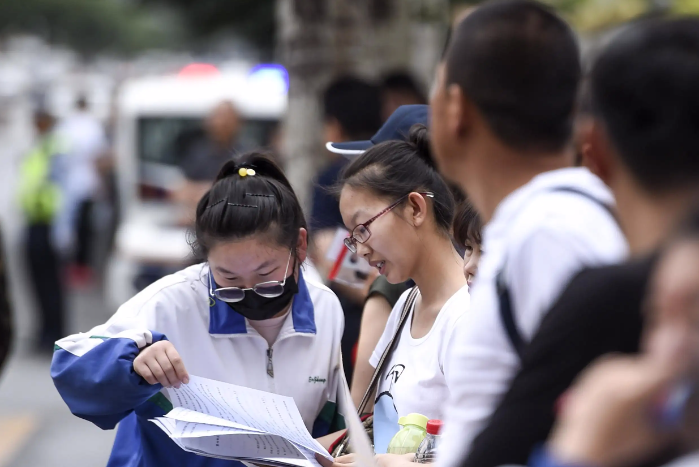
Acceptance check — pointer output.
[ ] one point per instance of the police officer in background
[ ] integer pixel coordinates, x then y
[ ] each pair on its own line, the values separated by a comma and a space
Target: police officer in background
40, 198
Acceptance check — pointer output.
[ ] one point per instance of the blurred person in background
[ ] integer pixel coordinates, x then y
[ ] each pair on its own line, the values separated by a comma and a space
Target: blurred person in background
468, 233
399, 88
643, 136
40, 192
502, 123
352, 111
624, 410
203, 158
5, 307
85, 143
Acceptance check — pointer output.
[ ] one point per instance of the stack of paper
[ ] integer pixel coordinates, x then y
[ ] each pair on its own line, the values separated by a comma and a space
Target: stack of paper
231, 422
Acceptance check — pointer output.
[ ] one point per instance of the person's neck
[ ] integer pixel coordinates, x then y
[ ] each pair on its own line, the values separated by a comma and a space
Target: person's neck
439, 273
224, 143
649, 218
498, 170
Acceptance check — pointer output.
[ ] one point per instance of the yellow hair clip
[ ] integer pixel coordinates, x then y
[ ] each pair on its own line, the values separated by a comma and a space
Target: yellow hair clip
244, 172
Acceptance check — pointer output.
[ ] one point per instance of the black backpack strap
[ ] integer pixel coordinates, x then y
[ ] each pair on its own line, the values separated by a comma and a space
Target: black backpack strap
603, 205
505, 301
506, 314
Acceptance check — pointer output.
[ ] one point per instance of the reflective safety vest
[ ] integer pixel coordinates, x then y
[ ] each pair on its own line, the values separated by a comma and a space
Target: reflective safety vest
39, 194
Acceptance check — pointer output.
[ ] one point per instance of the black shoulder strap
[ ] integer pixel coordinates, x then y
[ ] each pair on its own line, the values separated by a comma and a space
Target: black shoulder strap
603, 205
505, 301
507, 315
373, 384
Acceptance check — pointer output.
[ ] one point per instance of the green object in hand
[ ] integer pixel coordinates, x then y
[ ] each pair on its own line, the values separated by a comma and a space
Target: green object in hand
408, 439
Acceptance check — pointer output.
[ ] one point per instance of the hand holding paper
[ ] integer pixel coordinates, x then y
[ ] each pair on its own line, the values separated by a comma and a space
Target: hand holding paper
237, 423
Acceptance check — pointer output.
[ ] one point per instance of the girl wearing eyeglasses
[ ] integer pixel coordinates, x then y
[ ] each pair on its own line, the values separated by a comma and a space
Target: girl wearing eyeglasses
247, 315
399, 211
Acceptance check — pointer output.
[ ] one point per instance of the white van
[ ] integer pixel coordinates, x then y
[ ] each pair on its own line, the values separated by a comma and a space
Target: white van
155, 115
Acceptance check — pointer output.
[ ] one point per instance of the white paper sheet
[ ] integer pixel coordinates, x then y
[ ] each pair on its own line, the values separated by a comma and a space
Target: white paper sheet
225, 421
263, 411
186, 415
359, 441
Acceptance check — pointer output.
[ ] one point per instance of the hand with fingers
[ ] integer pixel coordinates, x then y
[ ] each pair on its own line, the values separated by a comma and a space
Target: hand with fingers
342, 461
381, 460
161, 363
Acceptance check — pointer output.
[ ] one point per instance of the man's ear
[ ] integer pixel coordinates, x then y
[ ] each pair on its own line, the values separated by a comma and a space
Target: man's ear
460, 111
598, 152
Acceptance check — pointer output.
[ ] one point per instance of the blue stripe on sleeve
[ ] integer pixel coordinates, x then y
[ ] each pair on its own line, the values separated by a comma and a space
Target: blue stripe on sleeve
101, 386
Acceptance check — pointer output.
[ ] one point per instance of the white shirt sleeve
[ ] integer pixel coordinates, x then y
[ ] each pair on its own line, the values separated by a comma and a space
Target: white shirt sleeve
389, 330
539, 269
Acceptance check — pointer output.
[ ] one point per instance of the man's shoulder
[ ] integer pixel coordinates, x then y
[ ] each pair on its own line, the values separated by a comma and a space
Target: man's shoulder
585, 226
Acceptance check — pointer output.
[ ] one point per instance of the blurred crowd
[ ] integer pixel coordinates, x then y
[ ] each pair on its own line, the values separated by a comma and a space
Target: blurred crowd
517, 257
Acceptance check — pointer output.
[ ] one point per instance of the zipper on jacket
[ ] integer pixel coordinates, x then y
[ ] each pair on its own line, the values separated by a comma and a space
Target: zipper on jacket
270, 366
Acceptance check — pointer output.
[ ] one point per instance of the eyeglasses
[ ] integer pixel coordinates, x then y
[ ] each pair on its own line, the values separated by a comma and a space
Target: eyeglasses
361, 233
270, 289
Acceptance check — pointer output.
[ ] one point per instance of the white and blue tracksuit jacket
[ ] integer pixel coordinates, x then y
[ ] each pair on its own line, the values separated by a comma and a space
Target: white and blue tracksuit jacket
94, 372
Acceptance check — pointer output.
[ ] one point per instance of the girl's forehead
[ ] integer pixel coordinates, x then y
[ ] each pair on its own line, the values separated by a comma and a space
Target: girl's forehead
356, 204
352, 198
246, 255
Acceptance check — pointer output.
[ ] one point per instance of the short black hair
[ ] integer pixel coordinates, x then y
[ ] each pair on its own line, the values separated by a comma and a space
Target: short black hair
403, 82
645, 90
355, 104
394, 169
238, 206
519, 63
467, 224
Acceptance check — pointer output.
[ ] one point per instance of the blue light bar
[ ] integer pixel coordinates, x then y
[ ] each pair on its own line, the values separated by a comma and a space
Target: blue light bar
270, 74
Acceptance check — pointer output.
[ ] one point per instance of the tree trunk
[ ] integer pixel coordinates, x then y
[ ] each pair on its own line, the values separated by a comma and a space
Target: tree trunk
321, 39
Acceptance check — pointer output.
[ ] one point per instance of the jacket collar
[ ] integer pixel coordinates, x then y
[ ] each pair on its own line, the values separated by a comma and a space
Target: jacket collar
225, 321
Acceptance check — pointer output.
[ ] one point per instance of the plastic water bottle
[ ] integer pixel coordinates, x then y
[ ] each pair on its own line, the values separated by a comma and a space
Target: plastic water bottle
410, 436
428, 448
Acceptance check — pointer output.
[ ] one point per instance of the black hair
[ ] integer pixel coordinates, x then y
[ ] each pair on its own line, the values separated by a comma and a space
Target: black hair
645, 91
394, 169
519, 64
238, 206
81, 102
355, 104
403, 82
467, 224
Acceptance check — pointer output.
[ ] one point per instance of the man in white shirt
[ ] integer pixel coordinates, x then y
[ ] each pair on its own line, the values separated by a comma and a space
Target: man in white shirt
502, 120
84, 138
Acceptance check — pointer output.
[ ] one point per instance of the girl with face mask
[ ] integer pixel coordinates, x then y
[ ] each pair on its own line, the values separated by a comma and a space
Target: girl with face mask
246, 315
399, 211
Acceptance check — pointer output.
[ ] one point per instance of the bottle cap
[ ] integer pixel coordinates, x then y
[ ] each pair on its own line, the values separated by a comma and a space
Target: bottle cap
434, 426
414, 419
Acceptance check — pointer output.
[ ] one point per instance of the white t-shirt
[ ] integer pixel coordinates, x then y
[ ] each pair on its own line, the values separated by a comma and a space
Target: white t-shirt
541, 235
416, 378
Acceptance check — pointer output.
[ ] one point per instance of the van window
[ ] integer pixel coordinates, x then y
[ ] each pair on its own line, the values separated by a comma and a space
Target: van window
164, 140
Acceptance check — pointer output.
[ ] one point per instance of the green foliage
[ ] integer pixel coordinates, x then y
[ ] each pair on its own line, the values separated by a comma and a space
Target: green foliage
253, 20
591, 15
88, 26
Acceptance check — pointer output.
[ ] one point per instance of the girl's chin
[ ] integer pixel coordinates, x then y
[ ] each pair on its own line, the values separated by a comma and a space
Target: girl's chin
395, 278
